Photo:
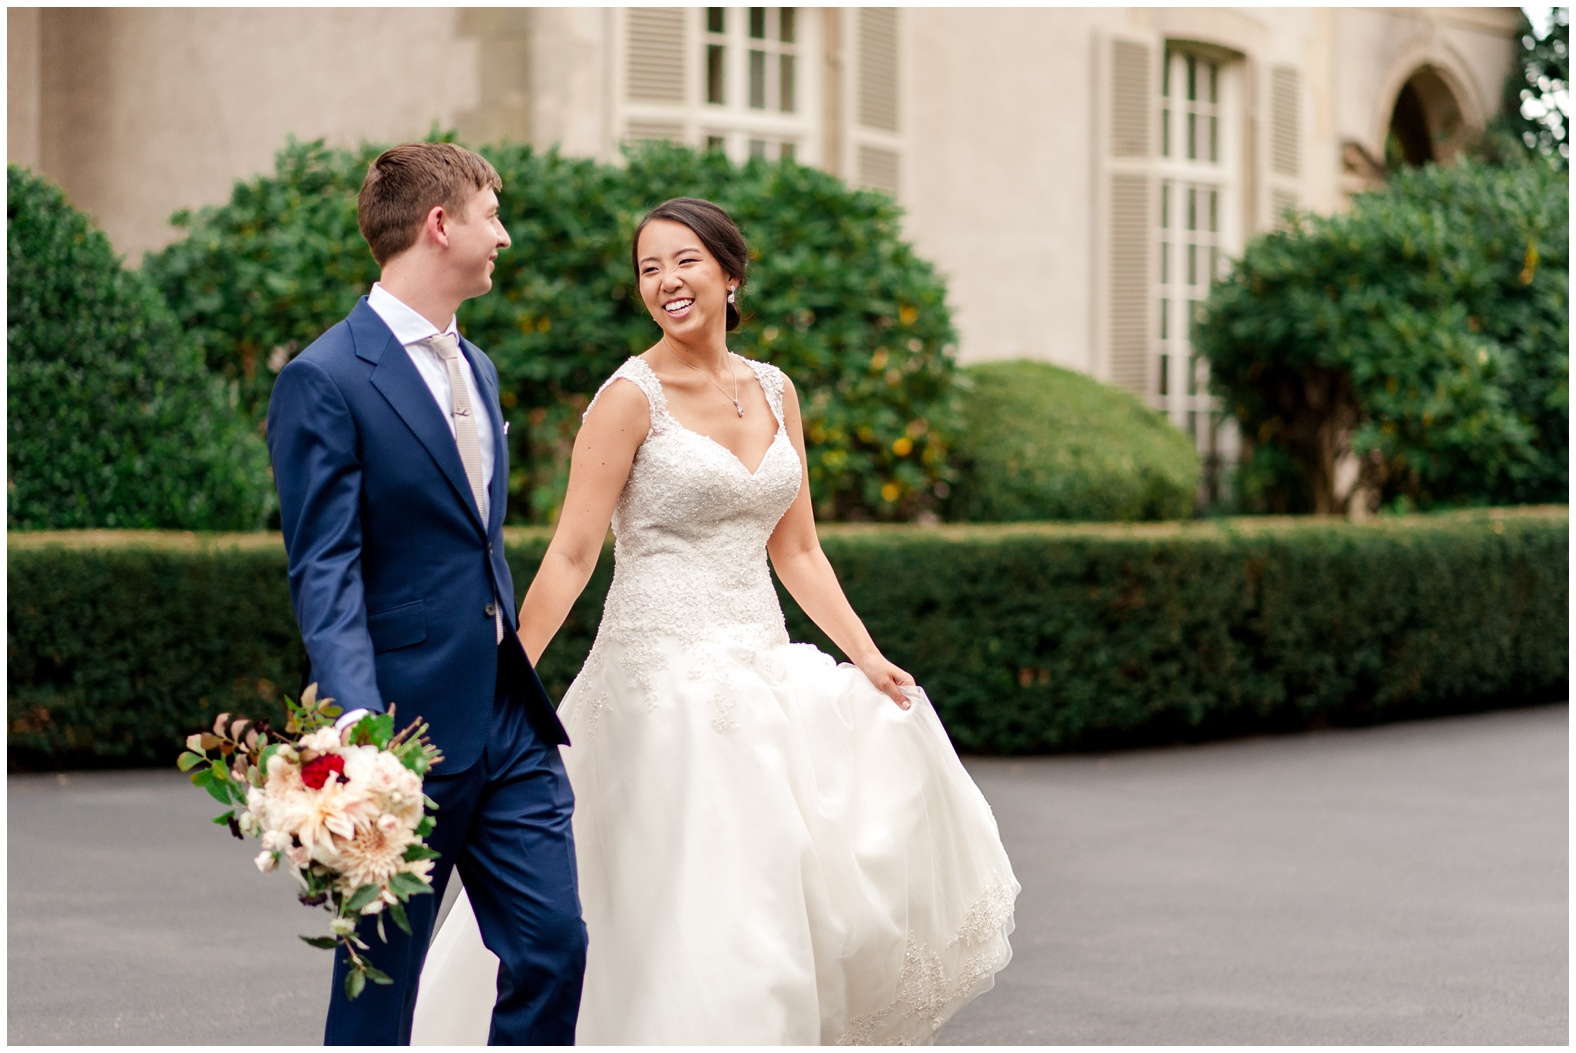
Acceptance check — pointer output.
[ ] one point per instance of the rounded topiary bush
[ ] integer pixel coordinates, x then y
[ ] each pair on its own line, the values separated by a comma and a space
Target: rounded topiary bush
1042, 442
1421, 336
834, 296
112, 419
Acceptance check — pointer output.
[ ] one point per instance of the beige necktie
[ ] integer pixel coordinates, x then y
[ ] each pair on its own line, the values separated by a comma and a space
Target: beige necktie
465, 437
448, 349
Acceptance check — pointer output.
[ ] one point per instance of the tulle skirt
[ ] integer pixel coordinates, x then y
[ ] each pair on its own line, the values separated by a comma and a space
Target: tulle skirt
770, 851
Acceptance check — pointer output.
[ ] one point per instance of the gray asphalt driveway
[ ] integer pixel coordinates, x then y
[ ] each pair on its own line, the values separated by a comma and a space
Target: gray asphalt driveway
1401, 884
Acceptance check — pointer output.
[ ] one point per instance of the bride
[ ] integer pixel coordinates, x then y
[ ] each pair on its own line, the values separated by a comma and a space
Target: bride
772, 847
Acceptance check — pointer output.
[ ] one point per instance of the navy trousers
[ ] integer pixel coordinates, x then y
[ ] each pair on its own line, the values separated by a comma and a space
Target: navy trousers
505, 822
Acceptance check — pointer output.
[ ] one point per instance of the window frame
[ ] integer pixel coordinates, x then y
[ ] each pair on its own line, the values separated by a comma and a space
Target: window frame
735, 125
1180, 378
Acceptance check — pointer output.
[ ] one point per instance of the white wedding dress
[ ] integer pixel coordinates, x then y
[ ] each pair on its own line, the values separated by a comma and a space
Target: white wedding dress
770, 851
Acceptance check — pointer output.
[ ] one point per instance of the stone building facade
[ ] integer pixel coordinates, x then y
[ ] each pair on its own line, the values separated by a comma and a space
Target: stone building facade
1078, 174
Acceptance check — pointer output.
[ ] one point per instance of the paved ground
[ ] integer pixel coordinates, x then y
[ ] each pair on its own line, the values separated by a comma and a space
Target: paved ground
1402, 884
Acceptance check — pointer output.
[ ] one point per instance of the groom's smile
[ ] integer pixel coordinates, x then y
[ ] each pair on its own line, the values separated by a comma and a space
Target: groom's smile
475, 239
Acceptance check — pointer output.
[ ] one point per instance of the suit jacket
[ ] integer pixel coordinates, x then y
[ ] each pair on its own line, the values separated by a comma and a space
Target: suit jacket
393, 574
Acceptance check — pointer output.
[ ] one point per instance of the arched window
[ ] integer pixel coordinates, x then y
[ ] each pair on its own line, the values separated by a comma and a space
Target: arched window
1426, 123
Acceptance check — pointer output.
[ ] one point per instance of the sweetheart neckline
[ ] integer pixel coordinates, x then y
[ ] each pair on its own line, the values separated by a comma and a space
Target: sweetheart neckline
732, 456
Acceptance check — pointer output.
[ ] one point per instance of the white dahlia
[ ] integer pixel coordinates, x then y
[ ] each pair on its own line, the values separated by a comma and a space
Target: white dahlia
319, 817
374, 855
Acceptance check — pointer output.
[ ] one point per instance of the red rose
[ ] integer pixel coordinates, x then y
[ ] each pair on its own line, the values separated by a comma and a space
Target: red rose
315, 771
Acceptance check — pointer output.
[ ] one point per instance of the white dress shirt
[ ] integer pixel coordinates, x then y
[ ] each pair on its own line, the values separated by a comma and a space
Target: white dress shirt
410, 328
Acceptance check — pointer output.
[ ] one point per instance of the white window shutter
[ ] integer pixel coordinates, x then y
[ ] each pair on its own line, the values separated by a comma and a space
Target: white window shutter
1285, 143
1126, 229
656, 54
1285, 128
876, 168
875, 150
648, 131
1131, 234
878, 86
1132, 90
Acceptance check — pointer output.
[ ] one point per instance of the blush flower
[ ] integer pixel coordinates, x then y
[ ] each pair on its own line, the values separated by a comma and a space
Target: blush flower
374, 855
320, 818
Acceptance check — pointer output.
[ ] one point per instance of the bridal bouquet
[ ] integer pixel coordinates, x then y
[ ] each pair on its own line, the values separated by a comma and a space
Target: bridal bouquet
345, 813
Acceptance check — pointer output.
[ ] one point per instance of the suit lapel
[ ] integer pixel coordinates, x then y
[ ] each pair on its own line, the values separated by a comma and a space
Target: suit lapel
498, 488
397, 380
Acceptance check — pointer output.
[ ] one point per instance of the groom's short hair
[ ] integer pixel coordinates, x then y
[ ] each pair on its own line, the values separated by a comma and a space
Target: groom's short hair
406, 182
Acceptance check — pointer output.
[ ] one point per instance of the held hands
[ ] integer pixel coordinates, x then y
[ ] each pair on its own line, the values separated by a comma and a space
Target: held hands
888, 678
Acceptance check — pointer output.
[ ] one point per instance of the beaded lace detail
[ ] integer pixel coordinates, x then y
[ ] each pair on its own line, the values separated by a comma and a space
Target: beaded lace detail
690, 535
926, 994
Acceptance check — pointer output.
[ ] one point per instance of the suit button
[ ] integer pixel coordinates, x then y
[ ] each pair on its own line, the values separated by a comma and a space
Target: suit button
491, 610
489, 548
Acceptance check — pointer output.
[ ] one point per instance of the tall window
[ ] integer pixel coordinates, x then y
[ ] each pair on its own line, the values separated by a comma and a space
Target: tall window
1198, 229
744, 80
755, 85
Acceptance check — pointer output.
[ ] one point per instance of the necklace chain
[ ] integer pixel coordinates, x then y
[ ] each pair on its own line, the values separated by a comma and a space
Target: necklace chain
734, 398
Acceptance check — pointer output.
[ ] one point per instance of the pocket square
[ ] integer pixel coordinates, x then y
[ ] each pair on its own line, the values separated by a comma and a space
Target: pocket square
506, 427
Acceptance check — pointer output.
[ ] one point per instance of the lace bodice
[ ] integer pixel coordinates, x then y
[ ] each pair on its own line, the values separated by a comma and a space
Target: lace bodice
691, 527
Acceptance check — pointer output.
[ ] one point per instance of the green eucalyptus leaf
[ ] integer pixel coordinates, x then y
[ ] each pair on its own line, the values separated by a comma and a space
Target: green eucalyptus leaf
404, 884
360, 898
397, 912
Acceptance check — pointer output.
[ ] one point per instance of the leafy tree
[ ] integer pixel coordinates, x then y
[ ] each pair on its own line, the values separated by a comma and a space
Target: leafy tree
1041, 442
112, 419
834, 296
1411, 352
1536, 106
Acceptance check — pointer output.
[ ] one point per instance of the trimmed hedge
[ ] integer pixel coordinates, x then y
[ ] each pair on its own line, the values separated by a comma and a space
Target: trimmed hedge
1029, 638
1042, 442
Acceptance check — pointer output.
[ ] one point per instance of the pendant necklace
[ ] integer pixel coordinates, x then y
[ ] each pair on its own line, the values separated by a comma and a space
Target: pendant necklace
734, 398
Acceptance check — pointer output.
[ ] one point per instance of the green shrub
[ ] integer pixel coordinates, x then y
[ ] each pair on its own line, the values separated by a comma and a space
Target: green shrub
835, 297
1424, 332
1041, 442
1029, 638
111, 419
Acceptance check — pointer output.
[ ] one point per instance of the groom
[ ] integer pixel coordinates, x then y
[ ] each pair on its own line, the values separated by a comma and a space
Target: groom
389, 455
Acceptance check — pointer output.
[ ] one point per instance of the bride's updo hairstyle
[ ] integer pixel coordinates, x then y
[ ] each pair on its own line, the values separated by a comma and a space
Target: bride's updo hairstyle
716, 231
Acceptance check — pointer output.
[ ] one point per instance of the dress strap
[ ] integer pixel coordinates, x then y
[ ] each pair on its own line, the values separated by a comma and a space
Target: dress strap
771, 379
641, 375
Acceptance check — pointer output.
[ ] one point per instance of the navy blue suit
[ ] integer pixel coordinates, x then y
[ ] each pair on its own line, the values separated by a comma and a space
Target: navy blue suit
394, 578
